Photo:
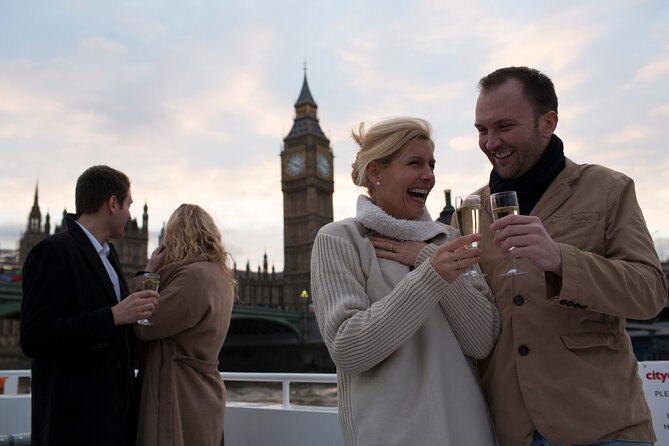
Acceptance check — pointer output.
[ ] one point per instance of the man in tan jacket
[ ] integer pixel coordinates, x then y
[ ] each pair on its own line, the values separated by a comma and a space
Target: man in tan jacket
563, 371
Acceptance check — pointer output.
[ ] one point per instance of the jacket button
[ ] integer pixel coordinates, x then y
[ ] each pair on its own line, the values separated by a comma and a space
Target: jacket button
523, 350
519, 300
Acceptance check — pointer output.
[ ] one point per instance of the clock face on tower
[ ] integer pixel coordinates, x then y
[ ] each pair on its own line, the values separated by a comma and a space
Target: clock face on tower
295, 165
324, 166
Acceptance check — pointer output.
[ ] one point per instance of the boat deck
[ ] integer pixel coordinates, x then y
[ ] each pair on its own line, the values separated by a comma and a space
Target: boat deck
246, 423
285, 423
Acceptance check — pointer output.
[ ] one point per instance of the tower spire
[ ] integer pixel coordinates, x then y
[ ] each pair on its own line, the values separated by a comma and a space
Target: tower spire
305, 97
306, 116
145, 218
35, 217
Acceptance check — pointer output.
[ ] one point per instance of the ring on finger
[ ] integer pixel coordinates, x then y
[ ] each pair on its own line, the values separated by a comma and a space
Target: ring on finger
458, 262
392, 248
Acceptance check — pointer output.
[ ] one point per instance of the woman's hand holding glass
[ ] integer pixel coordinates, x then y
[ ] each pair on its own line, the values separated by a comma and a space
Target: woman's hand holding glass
454, 257
450, 260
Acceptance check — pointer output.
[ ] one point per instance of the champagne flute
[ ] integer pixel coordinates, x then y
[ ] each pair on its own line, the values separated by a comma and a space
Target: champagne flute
503, 204
151, 282
468, 214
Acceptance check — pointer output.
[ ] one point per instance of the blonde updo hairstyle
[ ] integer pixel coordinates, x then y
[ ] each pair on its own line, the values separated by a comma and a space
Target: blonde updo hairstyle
382, 142
192, 232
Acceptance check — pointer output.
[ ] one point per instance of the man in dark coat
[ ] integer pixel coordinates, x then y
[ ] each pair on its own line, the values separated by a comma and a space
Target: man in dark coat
76, 322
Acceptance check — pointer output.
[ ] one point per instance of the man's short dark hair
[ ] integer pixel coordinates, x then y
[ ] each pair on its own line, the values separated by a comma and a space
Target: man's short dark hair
538, 87
96, 185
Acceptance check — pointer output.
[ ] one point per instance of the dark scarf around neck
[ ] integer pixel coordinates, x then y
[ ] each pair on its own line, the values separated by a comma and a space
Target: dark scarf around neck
532, 184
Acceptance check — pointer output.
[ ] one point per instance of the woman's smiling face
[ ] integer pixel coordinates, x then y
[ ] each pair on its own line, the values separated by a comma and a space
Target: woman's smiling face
405, 183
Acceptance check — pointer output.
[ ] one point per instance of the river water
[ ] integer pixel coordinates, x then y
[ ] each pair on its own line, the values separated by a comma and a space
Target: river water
308, 394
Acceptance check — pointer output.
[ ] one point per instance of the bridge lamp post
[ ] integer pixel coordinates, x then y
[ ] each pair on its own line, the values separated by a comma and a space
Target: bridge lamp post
304, 295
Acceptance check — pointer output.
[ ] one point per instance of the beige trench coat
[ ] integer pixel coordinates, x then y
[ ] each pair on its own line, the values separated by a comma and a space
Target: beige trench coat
183, 396
563, 363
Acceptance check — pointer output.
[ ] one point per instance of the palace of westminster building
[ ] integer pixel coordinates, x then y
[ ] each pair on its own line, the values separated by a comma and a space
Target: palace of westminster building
307, 183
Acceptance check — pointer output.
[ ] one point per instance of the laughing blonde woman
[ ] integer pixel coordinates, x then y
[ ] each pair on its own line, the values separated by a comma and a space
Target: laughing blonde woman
402, 336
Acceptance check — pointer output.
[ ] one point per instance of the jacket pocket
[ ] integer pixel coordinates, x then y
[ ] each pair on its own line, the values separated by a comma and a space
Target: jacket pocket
584, 229
577, 217
583, 341
201, 365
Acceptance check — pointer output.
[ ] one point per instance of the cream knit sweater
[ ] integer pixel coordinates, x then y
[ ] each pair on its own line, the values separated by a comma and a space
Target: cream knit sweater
399, 336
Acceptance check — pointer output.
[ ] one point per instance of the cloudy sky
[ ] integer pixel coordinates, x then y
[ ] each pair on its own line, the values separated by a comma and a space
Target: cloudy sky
193, 99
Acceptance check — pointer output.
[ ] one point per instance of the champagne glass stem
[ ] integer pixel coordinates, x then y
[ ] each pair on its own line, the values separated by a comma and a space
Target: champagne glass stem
471, 272
513, 269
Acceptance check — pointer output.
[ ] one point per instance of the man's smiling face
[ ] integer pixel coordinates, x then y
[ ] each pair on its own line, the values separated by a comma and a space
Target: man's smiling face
510, 134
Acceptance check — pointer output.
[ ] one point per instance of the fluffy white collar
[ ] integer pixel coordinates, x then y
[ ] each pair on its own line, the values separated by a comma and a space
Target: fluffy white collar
376, 219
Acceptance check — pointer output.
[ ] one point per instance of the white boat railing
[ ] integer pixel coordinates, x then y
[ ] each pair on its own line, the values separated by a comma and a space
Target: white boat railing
284, 378
17, 373
284, 423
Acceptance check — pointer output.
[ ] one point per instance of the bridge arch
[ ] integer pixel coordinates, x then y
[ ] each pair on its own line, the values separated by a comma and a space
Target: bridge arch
10, 310
248, 329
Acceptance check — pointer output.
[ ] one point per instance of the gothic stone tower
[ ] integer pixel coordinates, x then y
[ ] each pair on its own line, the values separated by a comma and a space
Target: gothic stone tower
307, 184
133, 248
34, 232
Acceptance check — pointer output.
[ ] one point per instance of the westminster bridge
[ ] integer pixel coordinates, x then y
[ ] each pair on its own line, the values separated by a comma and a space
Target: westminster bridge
259, 338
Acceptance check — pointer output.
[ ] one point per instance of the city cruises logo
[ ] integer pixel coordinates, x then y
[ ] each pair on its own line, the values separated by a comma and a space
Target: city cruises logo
654, 375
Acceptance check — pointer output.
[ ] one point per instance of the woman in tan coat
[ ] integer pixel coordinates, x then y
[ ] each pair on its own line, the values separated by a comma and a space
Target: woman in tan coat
183, 396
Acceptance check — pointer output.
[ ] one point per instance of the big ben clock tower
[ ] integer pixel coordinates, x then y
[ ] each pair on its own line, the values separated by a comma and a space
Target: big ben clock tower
307, 183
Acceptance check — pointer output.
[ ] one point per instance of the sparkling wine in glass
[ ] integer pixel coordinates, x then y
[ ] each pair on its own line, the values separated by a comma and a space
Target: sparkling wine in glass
468, 214
503, 204
151, 282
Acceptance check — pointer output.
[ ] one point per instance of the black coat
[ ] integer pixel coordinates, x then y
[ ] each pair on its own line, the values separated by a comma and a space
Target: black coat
82, 369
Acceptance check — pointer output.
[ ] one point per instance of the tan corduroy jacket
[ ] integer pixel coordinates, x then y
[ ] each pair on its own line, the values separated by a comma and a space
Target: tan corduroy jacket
563, 363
